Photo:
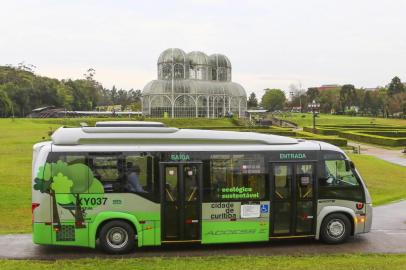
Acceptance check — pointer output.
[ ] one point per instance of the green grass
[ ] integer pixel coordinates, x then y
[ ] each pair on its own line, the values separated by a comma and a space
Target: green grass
386, 181
16, 140
328, 119
350, 262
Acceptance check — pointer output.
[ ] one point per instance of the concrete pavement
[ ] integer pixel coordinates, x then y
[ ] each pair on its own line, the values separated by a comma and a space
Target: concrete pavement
394, 156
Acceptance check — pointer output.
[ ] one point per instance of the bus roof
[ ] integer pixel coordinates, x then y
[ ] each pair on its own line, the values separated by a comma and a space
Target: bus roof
161, 135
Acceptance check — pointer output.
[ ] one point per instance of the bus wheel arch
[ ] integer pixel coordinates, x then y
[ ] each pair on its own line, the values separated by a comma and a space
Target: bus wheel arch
336, 227
117, 236
112, 219
329, 210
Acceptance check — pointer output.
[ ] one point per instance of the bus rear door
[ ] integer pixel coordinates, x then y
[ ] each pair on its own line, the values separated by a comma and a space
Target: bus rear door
181, 201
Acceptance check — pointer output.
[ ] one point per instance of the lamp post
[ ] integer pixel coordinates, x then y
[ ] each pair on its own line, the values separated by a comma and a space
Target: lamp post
314, 107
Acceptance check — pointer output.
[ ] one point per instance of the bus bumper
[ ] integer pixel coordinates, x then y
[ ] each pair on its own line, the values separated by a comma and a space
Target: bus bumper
41, 234
368, 217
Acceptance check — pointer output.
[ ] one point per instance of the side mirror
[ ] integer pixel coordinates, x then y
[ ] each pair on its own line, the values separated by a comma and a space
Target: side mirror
347, 165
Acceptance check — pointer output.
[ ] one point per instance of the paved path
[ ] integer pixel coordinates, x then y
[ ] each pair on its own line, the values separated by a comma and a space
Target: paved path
394, 156
388, 235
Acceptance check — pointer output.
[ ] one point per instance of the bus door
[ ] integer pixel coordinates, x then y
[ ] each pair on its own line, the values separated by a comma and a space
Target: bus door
181, 201
293, 207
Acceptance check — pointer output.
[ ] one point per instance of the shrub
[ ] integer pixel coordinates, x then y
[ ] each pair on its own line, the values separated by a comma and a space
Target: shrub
375, 139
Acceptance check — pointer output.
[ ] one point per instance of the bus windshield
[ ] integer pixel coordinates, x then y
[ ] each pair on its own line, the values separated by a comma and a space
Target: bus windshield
337, 174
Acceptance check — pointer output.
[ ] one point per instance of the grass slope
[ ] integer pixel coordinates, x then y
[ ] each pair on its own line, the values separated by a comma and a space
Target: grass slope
324, 119
358, 262
386, 181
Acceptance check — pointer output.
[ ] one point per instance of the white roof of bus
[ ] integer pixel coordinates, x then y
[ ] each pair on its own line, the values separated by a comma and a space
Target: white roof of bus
162, 136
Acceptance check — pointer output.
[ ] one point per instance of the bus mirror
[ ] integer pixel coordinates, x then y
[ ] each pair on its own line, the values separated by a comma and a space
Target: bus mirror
347, 165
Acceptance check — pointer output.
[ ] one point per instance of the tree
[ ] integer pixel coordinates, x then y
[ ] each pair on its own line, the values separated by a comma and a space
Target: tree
367, 103
273, 99
313, 94
69, 185
395, 86
252, 101
5, 103
397, 104
329, 100
347, 96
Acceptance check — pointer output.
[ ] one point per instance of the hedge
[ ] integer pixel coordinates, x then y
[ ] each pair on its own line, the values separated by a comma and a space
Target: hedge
390, 134
335, 141
321, 131
375, 139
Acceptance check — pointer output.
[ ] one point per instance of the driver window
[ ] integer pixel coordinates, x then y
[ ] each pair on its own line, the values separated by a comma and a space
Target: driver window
336, 174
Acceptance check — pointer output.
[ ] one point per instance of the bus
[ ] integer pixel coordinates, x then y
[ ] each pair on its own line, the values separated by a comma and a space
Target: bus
122, 184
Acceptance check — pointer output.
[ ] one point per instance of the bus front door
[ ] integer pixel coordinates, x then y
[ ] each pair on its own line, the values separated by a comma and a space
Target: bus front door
181, 201
293, 211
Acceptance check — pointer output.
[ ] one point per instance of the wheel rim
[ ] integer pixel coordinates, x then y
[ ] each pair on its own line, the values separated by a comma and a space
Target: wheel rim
336, 228
117, 237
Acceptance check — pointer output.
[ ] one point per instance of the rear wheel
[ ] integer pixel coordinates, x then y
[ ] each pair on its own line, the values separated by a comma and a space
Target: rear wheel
335, 229
117, 237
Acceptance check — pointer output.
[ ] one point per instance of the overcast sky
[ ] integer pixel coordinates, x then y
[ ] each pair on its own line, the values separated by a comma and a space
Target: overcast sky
270, 43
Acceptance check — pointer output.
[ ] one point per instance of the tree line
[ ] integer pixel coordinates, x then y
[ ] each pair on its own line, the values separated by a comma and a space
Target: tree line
21, 91
389, 101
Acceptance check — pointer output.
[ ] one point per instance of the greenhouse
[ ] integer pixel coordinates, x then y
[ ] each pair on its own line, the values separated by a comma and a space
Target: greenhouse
193, 85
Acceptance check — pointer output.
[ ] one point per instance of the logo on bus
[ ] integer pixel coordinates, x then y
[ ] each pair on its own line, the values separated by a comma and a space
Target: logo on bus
179, 157
292, 156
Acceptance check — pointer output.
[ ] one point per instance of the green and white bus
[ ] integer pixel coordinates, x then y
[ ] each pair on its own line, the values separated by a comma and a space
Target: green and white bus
118, 185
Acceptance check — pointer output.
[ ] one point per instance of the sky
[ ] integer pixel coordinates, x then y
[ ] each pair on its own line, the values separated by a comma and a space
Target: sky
271, 44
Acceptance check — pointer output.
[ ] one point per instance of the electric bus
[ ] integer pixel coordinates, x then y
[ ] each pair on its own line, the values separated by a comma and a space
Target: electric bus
122, 184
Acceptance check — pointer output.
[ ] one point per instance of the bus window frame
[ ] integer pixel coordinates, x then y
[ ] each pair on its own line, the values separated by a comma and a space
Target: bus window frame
353, 170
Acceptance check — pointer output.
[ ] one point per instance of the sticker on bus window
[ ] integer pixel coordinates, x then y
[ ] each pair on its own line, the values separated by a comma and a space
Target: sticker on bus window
305, 180
250, 211
264, 208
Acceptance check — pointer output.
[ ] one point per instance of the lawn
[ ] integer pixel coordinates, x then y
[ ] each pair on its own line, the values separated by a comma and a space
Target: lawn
306, 119
16, 140
18, 136
358, 262
386, 181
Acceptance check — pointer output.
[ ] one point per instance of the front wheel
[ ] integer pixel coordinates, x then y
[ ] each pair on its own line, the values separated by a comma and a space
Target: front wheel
117, 237
335, 229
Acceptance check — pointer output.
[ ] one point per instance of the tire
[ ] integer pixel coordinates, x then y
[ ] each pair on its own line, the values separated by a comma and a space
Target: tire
335, 229
117, 237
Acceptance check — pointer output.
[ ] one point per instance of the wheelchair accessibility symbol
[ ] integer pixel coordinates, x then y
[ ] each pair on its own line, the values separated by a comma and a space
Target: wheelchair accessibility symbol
264, 208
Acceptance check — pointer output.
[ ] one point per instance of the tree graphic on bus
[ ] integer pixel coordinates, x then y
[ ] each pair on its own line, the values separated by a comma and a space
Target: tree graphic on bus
70, 186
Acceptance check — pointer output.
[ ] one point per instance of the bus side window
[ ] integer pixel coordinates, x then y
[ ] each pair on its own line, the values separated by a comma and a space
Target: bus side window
107, 168
64, 166
237, 177
139, 174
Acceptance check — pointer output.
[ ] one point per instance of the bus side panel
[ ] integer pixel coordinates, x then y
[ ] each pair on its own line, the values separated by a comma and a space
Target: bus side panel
326, 207
42, 233
41, 213
222, 223
146, 212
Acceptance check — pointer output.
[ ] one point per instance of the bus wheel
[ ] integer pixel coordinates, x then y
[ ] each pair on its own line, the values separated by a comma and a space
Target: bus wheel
335, 229
117, 237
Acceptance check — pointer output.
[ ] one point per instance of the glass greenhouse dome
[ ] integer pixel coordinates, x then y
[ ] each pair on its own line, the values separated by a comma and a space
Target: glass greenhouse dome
193, 85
